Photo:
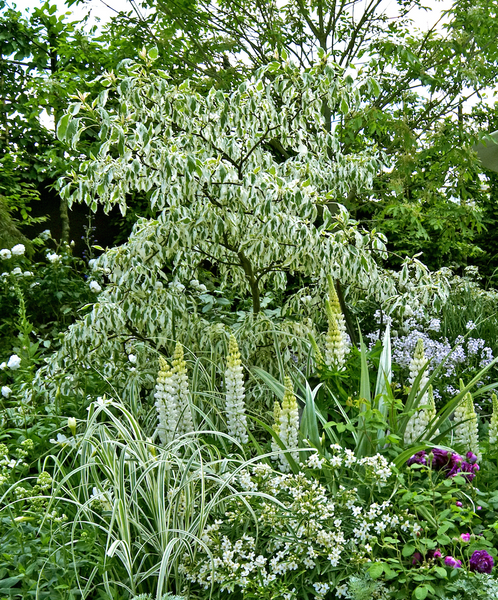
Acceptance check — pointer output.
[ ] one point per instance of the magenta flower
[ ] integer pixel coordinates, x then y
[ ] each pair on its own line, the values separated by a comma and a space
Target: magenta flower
449, 561
471, 457
417, 557
458, 503
437, 553
420, 458
465, 537
481, 562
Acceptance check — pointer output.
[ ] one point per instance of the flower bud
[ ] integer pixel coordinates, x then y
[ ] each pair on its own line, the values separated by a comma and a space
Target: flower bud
71, 423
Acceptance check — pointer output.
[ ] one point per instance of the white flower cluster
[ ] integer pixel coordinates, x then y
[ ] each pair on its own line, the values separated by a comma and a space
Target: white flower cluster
198, 287
235, 394
94, 287
466, 434
375, 469
172, 396
17, 250
54, 258
493, 425
14, 362
304, 529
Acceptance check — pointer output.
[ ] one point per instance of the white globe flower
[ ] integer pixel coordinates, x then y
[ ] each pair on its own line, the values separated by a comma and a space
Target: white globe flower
132, 358
5, 254
17, 271
53, 257
95, 287
18, 250
14, 362
44, 235
28, 274
6, 391
3, 366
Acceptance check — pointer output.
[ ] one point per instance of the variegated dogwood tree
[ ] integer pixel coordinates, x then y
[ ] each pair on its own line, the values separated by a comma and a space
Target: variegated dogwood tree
251, 181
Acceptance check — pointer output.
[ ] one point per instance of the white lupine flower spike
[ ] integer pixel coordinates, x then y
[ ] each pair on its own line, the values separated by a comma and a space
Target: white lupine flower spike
426, 408
186, 423
166, 402
289, 424
466, 434
493, 425
172, 396
235, 394
336, 341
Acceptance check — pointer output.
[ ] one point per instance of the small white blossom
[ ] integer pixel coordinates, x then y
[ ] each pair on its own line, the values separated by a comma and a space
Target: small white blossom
6, 391
28, 274
53, 257
45, 235
95, 287
132, 358
14, 362
3, 366
5, 254
18, 250
17, 271
71, 423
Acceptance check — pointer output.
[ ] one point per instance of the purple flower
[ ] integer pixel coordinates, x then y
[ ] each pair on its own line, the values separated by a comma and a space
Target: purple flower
420, 458
437, 553
449, 561
449, 462
417, 557
465, 537
458, 503
481, 562
471, 458
441, 458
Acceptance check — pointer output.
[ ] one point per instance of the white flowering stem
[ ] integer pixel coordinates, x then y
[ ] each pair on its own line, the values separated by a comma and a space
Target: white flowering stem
336, 346
493, 425
172, 396
235, 394
185, 423
289, 424
466, 433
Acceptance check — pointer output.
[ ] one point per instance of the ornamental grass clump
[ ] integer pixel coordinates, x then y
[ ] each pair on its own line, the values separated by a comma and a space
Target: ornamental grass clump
235, 394
144, 505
